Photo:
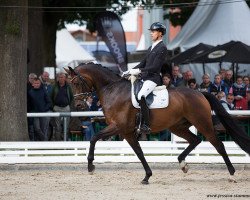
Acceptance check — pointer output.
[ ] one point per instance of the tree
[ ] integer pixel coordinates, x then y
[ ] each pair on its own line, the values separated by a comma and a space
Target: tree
13, 56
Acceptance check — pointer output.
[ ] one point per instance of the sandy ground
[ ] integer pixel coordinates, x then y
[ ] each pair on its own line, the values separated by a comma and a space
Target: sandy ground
121, 182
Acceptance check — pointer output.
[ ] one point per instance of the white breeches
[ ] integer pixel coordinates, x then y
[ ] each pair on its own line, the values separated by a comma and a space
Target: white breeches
148, 87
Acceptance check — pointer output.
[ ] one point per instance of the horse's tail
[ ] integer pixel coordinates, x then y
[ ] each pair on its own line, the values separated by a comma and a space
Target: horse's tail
231, 125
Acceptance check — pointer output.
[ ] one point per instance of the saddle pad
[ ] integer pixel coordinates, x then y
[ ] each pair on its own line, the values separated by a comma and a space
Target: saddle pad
161, 99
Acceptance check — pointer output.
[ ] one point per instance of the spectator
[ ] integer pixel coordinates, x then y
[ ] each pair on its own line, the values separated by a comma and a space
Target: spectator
46, 82
217, 86
177, 79
192, 84
246, 81
62, 97
187, 76
86, 122
40, 102
227, 102
30, 119
166, 80
222, 72
228, 80
221, 95
248, 99
206, 83
239, 90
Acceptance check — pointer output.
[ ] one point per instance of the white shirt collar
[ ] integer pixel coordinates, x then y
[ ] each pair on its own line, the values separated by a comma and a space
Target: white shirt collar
155, 43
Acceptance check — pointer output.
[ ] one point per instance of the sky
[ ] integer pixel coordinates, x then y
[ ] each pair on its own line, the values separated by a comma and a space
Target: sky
128, 22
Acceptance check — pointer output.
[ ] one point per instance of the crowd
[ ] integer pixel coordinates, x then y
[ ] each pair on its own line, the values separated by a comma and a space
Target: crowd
43, 95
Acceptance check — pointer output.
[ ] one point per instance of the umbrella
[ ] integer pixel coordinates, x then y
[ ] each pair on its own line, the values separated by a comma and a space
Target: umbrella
191, 53
233, 51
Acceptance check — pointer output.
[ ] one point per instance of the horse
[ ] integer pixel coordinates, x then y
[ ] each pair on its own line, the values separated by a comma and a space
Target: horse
186, 107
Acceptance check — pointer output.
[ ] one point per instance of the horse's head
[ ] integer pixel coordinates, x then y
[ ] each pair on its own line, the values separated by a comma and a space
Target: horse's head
81, 85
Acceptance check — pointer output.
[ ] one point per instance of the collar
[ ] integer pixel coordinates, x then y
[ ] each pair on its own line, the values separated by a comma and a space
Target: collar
155, 43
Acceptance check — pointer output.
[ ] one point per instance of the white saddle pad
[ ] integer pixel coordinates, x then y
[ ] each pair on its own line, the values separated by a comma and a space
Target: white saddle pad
161, 98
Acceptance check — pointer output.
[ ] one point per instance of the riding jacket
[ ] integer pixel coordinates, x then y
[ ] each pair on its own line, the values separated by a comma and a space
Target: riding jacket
151, 65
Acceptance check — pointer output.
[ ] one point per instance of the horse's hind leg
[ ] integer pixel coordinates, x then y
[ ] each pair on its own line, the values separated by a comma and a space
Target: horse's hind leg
219, 146
108, 131
137, 149
193, 141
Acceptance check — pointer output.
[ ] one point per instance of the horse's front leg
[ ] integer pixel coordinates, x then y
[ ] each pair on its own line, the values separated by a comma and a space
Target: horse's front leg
137, 149
107, 132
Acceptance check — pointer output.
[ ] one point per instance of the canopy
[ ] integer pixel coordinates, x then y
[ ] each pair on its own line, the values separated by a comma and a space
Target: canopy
215, 22
68, 51
233, 51
191, 53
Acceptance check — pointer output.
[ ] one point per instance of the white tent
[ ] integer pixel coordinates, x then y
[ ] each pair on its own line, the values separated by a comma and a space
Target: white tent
214, 22
68, 51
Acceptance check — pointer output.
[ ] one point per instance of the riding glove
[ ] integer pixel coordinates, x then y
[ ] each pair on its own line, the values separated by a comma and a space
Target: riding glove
135, 71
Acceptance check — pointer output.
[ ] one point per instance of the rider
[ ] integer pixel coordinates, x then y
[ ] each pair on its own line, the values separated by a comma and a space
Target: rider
150, 69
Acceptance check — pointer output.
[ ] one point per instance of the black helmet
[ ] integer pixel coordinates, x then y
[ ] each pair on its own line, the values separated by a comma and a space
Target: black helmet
159, 27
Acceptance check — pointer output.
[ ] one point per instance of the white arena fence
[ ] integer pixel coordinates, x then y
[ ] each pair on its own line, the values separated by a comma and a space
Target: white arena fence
114, 151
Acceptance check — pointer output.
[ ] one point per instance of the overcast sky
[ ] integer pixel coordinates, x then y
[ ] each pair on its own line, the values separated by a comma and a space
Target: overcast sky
129, 22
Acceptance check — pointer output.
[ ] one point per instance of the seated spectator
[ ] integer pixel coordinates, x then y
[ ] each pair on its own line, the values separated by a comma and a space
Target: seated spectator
227, 102
246, 81
166, 80
176, 78
248, 99
221, 95
192, 84
239, 90
87, 126
206, 83
217, 86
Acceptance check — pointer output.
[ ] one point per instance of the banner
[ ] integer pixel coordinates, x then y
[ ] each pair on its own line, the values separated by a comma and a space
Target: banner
109, 27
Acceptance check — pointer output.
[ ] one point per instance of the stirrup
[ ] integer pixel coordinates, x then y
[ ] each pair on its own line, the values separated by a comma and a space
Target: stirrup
144, 129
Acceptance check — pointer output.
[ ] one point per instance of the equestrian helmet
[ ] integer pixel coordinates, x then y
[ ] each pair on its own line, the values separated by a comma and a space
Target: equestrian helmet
158, 27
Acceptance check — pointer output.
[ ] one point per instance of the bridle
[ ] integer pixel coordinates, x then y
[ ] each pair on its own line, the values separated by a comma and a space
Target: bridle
84, 83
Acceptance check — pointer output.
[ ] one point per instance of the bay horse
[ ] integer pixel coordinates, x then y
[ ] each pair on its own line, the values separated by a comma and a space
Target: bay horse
186, 107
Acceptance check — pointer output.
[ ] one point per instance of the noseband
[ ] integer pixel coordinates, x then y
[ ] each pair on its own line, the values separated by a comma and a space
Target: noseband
84, 82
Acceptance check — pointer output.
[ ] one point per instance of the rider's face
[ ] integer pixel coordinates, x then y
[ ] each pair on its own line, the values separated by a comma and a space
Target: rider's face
155, 35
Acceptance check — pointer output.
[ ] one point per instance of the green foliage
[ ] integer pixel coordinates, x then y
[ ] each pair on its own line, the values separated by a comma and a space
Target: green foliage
12, 28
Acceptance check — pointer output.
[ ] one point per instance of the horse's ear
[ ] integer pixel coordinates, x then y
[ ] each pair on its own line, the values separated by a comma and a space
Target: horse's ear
70, 71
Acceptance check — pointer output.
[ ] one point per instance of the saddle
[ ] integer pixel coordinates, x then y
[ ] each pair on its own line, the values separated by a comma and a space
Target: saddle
156, 99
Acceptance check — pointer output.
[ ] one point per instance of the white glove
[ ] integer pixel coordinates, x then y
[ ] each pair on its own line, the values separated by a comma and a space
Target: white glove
125, 73
135, 71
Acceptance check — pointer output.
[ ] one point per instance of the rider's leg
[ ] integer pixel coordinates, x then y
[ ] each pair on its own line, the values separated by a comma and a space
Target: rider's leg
148, 87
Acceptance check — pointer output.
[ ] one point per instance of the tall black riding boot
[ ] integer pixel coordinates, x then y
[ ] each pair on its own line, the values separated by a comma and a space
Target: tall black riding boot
145, 116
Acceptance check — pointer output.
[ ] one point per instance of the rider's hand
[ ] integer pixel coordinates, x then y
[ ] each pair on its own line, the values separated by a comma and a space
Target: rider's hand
125, 73
135, 71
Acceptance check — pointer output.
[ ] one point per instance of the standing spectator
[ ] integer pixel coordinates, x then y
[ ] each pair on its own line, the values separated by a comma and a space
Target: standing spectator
239, 91
30, 119
40, 102
177, 79
192, 84
217, 86
46, 82
206, 83
228, 80
166, 80
62, 97
222, 72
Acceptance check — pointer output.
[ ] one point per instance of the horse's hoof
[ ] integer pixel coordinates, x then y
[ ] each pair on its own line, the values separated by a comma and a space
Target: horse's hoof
91, 169
232, 179
184, 166
144, 182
